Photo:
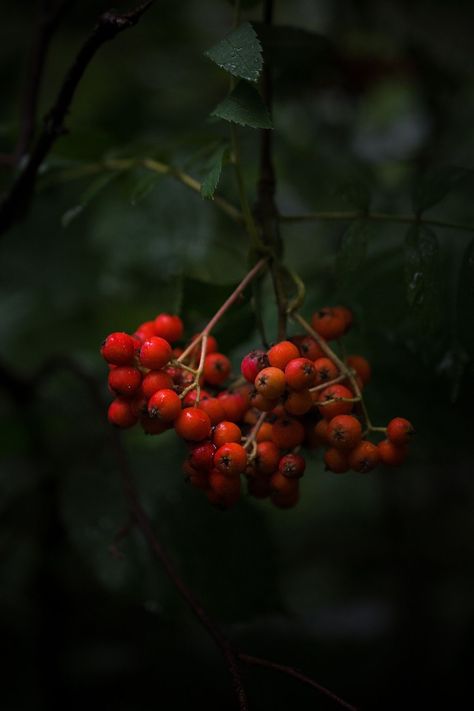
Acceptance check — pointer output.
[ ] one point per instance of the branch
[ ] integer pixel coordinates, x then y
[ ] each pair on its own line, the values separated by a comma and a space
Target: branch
110, 24
375, 217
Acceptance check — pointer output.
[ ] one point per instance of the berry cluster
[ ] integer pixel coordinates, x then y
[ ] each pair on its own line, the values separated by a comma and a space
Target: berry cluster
297, 393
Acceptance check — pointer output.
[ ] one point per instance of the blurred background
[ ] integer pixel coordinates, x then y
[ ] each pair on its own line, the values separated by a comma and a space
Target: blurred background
367, 584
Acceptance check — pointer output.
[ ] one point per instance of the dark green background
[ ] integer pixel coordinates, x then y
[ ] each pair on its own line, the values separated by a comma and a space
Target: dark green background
368, 583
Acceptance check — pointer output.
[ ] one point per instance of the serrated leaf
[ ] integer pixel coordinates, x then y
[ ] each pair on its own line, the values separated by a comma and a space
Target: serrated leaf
465, 300
211, 181
240, 53
432, 188
353, 249
244, 106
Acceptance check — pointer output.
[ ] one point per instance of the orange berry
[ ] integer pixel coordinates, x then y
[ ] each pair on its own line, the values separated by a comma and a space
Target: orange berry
264, 404
281, 353
230, 459
287, 432
298, 402
400, 430
364, 457
321, 431
390, 454
193, 424
325, 370
329, 323
361, 366
344, 432
226, 432
281, 484
300, 373
270, 383
267, 458
264, 433
308, 347
335, 392
336, 461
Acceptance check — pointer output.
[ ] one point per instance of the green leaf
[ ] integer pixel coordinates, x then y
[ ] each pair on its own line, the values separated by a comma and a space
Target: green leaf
422, 274
240, 53
244, 106
353, 249
432, 188
465, 300
211, 181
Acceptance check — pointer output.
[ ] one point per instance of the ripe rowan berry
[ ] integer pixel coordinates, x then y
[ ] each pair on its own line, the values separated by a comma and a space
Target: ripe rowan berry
118, 349
264, 433
191, 397
330, 324
193, 424
286, 501
281, 484
266, 458
346, 315
165, 405
364, 457
264, 404
226, 432
300, 373
270, 383
145, 331
224, 490
287, 432
231, 459
202, 455
335, 392
336, 461
391, 454
125, 380
234, 405
361, 366
213, 407
217, 368
155, 353
308, 347
400, 430
325, 370
298, 402
281, 353
344, 432
120, 413
169, 327
321, 431
155, 380
253, 363
292, 466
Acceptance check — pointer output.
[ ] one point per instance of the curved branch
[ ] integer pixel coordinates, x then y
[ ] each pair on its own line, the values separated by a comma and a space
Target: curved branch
110, 24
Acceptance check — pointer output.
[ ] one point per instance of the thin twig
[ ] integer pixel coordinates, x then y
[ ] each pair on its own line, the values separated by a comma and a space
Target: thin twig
375, 217
110, 24
296, 674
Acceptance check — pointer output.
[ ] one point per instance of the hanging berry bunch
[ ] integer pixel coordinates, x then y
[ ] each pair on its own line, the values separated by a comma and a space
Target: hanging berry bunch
297, 394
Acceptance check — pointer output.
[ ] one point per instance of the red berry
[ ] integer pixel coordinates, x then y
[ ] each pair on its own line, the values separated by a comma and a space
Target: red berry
298, 402
287, 432
231, 459
292, 466
264, 404
325, 370
345, 314
390, 454
224, 490
344, 432
165, 405
336, 461
193, 424
364, 457
120, 413
155, 353
270, 383
335, 392
118, 349
308, 347
253, 363
281, 353
400, 430
234, 405
226, 432
281, 484
202, 455
155, 380
169, 327
266, 458
300, 373
329, 323
145, 331
217, 368
125, 380
214, 409
264, 433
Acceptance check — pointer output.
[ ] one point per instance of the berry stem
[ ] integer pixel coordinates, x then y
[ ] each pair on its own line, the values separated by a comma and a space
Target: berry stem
323, 403
250, 440
317, 388
340, 363
223, 309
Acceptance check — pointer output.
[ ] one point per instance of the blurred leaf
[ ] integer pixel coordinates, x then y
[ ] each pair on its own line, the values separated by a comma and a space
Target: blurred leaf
240, 53
211, 181
353, 249
355, 193
93, 189
465, 300
422, 273
244, 106
433, 187
143, 187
